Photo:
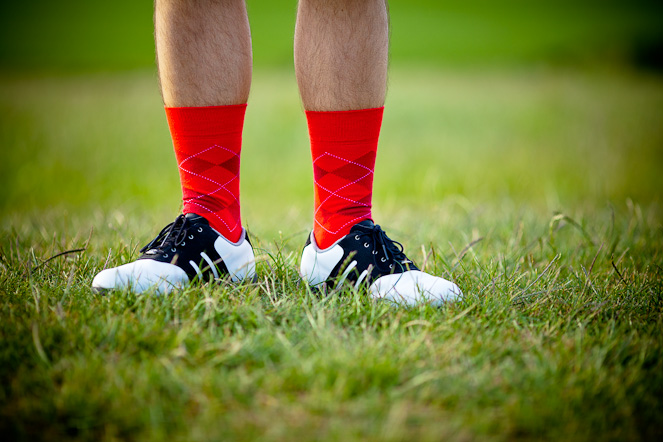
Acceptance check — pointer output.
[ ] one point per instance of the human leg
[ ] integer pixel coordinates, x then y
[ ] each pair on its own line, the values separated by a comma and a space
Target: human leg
204, 59
341, 58
203, 52
341, 54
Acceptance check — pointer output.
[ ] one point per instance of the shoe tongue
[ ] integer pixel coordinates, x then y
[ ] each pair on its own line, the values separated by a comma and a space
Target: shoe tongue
365, 224
196, 219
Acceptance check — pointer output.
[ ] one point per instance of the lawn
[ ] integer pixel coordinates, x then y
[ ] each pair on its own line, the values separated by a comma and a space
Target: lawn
532, 181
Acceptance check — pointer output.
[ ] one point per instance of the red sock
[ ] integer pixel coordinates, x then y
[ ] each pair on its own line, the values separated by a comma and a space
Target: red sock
343, 147
208, 142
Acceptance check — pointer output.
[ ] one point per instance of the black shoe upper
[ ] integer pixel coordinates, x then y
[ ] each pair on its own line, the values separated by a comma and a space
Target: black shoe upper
184, 240
373, 250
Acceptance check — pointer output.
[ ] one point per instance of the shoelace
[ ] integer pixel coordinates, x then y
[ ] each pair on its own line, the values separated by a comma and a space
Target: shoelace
172, 235
392, 250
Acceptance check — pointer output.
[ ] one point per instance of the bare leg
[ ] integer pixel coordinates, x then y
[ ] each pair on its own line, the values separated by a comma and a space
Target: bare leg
341, 53
203, 52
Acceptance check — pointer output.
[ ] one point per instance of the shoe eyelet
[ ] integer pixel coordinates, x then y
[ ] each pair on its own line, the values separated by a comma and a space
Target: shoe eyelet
391, 266
200, 229
374, 252
190, 236
183, 243
173, 249
357, 237
165, 255
383, 259
367, 245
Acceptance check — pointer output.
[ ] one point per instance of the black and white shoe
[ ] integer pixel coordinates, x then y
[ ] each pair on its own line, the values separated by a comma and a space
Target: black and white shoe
184, 250
368, 256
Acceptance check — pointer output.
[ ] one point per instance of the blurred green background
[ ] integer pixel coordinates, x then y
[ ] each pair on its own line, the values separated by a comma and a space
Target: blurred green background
555, 104
87, 35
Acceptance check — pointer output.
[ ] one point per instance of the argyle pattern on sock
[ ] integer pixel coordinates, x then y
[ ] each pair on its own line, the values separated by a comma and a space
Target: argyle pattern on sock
207, 143
343, 150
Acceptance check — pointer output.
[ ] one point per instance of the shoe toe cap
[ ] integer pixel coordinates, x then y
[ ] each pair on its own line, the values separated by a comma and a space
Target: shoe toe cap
140, 276
415, 287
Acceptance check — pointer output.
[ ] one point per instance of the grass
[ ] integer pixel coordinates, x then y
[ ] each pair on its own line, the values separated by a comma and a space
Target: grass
526, 169
558, 337
535, 190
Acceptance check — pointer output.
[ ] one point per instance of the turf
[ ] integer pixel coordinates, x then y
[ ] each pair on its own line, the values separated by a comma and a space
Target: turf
531, 177
536, 191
